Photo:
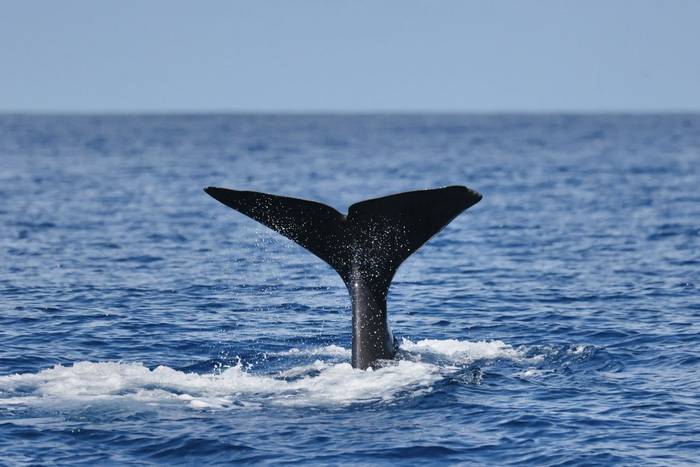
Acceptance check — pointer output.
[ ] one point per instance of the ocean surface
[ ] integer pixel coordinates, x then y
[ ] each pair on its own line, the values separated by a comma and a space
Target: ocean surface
555, 322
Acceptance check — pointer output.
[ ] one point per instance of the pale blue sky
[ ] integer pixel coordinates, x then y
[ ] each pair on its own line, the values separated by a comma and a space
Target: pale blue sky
399, 55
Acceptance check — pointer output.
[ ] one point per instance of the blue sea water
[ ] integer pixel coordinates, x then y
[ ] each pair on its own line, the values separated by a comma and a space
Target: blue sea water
555, 322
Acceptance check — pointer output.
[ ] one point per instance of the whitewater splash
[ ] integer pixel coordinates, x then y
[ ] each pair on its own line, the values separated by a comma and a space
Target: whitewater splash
321, 383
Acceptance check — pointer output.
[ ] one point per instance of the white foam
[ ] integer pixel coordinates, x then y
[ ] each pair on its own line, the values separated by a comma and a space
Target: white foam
331, 350
197, 404
333, 384
463, 351
533, 373
578, 349
325, 382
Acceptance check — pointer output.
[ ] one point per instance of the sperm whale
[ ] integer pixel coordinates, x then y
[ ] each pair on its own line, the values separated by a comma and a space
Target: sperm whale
365, 247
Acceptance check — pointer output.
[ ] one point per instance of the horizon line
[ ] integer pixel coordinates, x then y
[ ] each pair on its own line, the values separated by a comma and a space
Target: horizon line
342, 112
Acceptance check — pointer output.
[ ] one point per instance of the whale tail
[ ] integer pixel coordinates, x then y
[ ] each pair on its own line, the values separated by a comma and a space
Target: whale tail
365, 247
374, 238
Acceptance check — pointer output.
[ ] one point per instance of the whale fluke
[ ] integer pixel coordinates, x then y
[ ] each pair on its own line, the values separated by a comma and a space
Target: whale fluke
365, 247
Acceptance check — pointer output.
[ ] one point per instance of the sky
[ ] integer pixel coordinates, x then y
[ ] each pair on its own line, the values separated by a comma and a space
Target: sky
349, 56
